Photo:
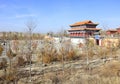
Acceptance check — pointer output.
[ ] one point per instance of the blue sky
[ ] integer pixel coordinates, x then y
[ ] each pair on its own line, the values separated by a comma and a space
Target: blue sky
54, 15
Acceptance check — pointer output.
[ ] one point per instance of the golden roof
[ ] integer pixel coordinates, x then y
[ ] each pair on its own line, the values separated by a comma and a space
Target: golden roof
83, 23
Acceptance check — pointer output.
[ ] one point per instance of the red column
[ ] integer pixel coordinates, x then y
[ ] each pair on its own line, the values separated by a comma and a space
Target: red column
73, 34
82, 34
79, 34
70, 34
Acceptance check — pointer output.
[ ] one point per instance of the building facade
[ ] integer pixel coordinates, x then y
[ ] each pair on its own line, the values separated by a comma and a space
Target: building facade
79, 31
83, 29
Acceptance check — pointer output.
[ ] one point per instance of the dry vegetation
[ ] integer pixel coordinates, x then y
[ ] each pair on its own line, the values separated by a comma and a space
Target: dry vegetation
1, 49
99, 75
52, 58
50, 53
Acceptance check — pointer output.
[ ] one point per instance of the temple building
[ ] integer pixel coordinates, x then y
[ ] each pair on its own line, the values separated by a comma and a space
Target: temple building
83, 29
112, 32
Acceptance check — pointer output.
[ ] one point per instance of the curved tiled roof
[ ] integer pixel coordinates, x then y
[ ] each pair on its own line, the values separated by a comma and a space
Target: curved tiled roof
112, 30
83, 22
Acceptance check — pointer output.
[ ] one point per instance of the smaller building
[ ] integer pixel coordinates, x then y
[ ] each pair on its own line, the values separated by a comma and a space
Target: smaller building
118, 30
113, 31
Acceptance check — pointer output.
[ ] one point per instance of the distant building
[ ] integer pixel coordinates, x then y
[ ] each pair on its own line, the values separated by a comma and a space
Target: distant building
118, 30
83, 29
113, 31
80, 30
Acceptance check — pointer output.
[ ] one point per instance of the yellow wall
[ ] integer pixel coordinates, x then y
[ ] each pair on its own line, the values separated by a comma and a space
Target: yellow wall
110, 42
107, 42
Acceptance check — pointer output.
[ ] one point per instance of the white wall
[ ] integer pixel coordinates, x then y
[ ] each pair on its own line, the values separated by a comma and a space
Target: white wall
74, 41
77, 40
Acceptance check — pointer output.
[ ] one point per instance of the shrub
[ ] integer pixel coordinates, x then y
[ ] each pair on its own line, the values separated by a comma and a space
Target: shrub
1, 50
10, 54
47, 52
71, 55
67, 51
3, 63
91, 53
18, 61
11, 75
102, 52
46, 59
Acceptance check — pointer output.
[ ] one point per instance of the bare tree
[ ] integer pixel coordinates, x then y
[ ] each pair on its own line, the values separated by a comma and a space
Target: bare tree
31, 25
62, 49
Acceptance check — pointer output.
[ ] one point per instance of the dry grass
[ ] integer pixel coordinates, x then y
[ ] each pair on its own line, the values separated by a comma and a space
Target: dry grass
110, 69
67, 54
18, 61
8, 76
10, 54
49, 53
91, 53
1, 50
87, 79
102, 52
3, 63
106, 74
76, 77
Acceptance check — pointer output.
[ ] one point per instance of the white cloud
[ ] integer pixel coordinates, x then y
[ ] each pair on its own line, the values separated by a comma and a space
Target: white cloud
25, 15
